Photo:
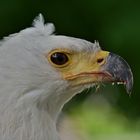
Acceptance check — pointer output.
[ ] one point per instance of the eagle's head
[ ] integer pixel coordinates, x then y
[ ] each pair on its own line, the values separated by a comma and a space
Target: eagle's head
52, 68
41, 70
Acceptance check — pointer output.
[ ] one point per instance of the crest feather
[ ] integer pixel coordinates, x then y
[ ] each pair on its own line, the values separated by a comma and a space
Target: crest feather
39, 23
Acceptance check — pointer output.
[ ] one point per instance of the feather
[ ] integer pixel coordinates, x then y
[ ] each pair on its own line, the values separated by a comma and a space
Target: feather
39, 24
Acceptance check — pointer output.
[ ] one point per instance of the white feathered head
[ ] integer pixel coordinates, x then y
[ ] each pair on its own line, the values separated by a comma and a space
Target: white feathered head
38, 67
40, 72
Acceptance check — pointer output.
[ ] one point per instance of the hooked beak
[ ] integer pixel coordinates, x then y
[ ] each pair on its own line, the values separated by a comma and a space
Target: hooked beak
119, 70
102, 66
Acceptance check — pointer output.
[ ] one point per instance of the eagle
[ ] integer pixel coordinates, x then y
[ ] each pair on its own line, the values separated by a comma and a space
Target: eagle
41, 71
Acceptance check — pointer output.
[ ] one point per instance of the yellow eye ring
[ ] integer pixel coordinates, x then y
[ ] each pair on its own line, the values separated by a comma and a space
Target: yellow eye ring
59, 59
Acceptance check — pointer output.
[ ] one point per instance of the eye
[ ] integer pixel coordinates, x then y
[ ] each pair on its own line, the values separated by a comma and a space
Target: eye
100, 60
59, 58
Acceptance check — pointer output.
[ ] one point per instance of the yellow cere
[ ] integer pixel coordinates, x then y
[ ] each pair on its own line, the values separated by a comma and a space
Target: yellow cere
79, 63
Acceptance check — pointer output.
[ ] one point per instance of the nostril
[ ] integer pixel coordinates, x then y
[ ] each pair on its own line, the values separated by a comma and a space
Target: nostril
100, 60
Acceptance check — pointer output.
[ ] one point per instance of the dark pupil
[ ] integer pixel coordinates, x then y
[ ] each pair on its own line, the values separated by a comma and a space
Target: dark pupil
59, 58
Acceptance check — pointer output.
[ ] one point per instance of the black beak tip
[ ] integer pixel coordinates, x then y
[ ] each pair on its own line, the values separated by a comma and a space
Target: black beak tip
120, 71
129, 82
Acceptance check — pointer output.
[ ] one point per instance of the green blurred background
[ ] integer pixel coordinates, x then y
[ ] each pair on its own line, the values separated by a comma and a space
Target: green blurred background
116, 25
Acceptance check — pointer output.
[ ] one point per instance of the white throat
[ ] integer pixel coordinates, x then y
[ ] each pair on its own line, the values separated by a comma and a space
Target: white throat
32, 115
